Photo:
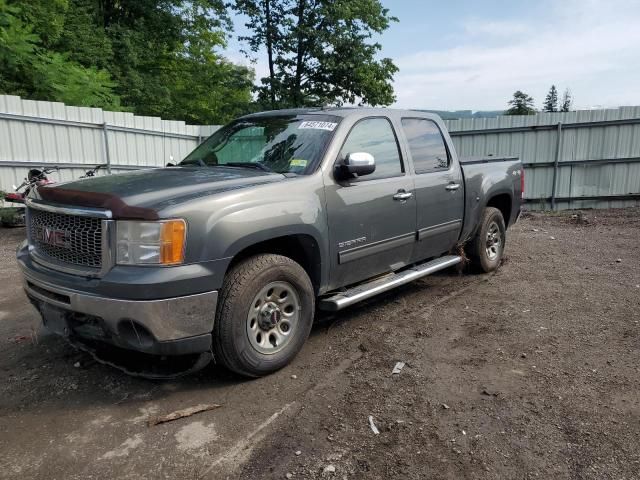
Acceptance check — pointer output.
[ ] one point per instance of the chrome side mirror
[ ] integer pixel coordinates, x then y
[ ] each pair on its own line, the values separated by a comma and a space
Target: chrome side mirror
358, 163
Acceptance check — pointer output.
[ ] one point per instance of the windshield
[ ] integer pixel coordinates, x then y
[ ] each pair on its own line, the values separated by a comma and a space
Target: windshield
281, 144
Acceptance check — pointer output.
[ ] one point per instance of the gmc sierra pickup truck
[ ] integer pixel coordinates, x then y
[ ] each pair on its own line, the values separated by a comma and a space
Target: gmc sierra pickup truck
228, 254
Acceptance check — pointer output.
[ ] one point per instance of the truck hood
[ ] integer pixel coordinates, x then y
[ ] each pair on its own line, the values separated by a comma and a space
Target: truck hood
143, 193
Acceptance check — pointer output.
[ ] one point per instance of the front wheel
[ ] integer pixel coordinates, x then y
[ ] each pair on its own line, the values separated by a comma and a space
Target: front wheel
264, 316
487, 247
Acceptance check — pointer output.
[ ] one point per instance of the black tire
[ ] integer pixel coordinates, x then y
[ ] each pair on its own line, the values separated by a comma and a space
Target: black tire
483, 257
243, 284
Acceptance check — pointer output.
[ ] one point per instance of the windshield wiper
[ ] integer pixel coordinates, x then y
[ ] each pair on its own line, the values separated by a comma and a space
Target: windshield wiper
191, 163
254, 165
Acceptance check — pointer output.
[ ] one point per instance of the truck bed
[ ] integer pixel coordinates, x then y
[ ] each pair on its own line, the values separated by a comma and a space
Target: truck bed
486, 177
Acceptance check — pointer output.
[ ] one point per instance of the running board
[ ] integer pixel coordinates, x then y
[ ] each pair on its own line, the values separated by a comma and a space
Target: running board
379, 285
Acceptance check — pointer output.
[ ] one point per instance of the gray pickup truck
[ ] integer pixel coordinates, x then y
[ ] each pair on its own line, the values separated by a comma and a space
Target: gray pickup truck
227, 255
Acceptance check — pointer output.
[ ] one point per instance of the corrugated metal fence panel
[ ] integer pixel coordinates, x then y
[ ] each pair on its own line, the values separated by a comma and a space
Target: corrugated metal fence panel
39, 141
138, 141
246, 144
578, 144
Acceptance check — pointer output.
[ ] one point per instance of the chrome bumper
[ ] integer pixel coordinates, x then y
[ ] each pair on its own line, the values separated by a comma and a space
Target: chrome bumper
165, 320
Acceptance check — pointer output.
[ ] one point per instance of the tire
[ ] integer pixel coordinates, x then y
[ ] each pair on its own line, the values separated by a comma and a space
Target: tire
484, 256
264, 315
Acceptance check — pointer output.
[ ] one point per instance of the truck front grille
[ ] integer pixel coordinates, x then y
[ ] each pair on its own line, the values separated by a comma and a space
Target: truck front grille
71, 239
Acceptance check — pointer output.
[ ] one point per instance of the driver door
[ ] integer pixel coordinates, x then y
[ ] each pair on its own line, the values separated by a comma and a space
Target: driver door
372, 219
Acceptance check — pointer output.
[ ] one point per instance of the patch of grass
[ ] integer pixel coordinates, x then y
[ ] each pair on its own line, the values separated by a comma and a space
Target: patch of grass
12, 216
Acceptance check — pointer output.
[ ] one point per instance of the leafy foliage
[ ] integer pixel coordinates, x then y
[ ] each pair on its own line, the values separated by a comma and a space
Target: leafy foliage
551, 101
521, 104
153, 57
29, 68
320, 51
160, 57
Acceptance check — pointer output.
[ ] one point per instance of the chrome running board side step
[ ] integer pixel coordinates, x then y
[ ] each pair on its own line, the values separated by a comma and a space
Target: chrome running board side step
388, 282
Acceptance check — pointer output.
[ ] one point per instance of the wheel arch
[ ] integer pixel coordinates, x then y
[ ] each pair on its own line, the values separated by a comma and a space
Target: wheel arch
302, 248
504, 203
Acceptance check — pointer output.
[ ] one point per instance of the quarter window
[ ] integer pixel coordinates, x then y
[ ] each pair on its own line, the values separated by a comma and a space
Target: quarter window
426, 144
375, 136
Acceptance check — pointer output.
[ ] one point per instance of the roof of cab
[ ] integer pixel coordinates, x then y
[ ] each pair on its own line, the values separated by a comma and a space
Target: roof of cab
345, 112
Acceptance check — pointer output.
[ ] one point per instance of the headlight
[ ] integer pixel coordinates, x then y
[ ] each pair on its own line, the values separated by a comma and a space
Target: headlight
150, 243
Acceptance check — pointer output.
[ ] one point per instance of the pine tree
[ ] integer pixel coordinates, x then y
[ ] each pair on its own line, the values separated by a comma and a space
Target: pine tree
551, 101
567, 101
521, 104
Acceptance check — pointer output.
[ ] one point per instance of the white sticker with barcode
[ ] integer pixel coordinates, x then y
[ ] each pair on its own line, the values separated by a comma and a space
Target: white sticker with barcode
330, 126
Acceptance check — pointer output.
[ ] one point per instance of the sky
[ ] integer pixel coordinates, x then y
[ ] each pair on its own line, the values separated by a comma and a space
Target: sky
473, 54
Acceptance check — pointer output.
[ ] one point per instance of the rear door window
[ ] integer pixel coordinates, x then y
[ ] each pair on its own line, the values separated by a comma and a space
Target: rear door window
426, 144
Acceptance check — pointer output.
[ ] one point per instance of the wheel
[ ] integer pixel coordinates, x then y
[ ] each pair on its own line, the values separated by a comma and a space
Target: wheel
487, 247
264, 316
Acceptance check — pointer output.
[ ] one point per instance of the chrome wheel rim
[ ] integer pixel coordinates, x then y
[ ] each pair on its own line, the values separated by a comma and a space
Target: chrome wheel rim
493, 241
273, 317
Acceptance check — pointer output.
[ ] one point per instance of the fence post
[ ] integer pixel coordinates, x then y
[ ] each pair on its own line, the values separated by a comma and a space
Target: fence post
555, 167
105, 137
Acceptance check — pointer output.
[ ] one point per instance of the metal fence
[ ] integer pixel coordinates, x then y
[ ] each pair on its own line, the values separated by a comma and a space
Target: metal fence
34, 134
583, 159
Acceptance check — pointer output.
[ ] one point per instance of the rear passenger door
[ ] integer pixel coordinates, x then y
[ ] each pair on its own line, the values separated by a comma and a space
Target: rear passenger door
439, 188
372, 219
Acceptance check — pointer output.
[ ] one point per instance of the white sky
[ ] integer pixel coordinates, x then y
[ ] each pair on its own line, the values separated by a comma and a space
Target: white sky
468, 54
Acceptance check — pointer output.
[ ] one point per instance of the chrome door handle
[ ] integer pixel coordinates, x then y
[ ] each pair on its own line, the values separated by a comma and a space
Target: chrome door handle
402, 195
452, 187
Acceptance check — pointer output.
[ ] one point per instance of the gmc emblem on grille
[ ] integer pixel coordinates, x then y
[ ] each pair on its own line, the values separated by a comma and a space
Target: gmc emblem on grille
53, 237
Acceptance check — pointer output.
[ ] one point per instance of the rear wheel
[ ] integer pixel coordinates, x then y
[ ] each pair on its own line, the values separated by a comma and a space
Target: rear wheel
264, 316
487, 247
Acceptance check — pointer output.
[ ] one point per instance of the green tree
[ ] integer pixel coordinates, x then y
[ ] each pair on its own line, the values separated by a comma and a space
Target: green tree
320, 51
551, 101
17, 48
266, 21
65, 81
30, 69
152, 57
567, 101
165, 60
521, 104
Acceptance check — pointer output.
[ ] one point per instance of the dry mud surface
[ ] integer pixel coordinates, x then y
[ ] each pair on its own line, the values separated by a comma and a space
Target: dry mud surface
532, 372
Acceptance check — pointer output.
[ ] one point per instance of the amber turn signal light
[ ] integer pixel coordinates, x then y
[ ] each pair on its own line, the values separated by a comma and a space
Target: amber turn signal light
172, 240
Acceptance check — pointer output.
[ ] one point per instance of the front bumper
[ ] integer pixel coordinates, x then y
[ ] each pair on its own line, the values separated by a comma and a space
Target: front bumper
169, 326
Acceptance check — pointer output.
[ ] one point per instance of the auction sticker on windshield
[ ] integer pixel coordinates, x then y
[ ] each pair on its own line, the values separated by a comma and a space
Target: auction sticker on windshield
298, 162
318, 125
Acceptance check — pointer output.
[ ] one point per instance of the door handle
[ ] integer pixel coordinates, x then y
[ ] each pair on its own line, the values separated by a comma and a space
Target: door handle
453, 187
402, 195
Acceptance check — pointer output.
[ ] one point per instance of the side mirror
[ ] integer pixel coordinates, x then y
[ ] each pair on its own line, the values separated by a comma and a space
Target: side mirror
358, 163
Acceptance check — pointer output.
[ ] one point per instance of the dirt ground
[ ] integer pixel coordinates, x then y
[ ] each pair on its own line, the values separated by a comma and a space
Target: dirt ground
531, 372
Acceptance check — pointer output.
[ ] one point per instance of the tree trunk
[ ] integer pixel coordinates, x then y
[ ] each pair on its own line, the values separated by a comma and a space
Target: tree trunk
297, 94
269, 44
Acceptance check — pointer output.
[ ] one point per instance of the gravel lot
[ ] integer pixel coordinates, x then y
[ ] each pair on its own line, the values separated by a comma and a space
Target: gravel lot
528, 373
